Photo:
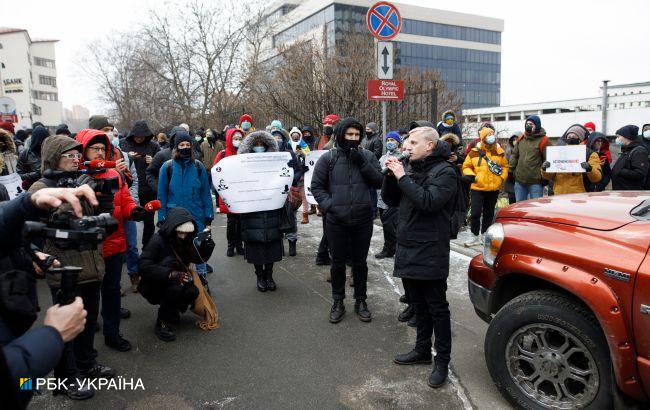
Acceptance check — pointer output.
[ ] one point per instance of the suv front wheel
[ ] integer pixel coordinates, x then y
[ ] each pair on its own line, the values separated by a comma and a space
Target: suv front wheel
545, 351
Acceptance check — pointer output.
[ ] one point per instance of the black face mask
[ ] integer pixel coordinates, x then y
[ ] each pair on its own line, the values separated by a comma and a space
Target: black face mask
329, 131
308, 137
369, 134
211, 138
529, 129
185, 153
572, 141
350, 144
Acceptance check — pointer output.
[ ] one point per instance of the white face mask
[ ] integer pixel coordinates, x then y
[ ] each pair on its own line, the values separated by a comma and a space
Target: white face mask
646, 134
235, 143
110, 135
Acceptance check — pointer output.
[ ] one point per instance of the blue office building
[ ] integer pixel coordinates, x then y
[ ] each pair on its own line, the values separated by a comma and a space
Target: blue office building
464, 48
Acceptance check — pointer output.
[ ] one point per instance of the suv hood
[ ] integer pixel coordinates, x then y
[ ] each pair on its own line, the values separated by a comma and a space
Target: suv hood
604, 211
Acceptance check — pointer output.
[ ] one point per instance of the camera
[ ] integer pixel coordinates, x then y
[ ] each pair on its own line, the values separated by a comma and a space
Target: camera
106, 188
66, 231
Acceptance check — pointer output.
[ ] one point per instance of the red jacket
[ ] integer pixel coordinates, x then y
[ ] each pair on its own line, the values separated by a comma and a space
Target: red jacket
123, 202
230, 150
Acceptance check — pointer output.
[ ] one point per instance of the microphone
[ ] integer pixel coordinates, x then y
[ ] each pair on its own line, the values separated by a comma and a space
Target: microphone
400, 157
99, 164
152, 206
54, 174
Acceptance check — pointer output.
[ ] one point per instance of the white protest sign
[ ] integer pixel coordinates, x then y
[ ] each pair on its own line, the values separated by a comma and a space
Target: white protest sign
566, 158
13, 183
253, 182
310, 161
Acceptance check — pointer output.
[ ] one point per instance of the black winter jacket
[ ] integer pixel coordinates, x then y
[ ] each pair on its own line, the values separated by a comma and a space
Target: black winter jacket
374, 145
153, 170
148, 147
262, 226
631, 169
29, 166
425, 200
343, 189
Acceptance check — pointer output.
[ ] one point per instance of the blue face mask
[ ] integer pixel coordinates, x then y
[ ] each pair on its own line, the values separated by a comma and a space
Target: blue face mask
391, 146
619, 141
259, 149
245, 125
490, 139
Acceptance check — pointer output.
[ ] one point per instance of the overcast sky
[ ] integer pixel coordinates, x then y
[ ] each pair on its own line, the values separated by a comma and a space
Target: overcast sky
556, 49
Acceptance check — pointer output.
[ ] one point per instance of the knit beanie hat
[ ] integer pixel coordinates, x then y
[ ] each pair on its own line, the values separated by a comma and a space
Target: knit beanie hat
62, 129
535, 120
630, 132
180, 137
274, 124
394, 135
485, 131
578, 130
97, 122
295, 130
245, 117
590, 125
186, 227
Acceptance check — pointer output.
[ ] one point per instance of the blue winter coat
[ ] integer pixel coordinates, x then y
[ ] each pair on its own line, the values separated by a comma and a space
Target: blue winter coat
186, 190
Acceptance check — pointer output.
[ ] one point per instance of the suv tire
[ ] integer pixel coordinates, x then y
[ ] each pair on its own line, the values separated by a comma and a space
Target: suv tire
543, 342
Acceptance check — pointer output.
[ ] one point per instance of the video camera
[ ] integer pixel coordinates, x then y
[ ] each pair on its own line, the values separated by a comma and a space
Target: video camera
105, 188
66, 231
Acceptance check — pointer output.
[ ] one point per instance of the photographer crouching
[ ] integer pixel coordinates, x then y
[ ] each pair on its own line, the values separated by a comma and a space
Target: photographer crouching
31, 353
424, 192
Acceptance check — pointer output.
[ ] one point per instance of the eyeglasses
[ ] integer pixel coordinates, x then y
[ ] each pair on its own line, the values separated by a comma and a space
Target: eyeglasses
75, 155
98, 149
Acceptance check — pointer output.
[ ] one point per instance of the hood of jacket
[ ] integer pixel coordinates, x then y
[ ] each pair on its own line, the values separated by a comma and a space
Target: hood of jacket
421, 123
451, 139
540, 134
140, 129
52, 149
595, 136
86, 135
341, 127
253, 138
310, 130
38, 136
8, 140
175, 217
230, 149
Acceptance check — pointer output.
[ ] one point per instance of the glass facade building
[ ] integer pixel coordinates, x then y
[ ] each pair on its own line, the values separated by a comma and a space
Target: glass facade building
474, 74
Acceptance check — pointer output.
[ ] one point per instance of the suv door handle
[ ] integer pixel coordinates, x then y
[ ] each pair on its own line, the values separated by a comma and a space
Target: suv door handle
645, 309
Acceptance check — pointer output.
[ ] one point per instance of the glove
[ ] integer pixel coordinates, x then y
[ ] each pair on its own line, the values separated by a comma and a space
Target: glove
84, 179
152, 206
357, 158
586, 166
546, 165
305, 168
105, 203
138, 214
468, 179
291, 163
179, 276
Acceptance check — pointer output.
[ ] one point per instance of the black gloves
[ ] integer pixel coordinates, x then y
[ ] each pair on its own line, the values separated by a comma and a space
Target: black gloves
586, 166
545, 165
179, 276
138, 214
357, 158
468, 179
291, 163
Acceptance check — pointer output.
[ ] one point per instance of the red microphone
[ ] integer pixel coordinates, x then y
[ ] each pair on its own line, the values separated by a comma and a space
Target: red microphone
99, 164
152, 206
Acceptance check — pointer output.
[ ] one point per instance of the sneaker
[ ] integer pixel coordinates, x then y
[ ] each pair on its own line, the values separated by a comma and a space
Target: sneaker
74, 392
164, 331
475, 240
412, 357
117, 343
361, 309
97, 371
438, 376
135, 281
125, 313
337, 311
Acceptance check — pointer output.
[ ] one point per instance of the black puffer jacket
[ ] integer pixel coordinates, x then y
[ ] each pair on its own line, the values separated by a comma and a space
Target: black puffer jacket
425, 200
631, 169
162, 156
147, 147
29, 162
341, 188
373, 143
158, 259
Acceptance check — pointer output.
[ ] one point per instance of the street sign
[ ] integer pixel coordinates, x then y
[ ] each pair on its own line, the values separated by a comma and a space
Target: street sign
383, 21
385, 90
385, 60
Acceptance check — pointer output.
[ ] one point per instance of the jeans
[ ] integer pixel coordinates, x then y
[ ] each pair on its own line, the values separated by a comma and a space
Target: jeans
80, 354
132, 256
483, 203
149, 226
355, 242
528, 191
111, 298
432, 315
293, 235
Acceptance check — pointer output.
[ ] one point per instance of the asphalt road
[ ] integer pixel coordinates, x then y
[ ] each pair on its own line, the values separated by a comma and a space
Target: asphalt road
278, 350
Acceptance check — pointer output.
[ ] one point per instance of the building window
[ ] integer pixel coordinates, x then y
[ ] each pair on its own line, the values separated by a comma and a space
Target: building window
429, 29
321, 18
44, 62
47, 80
36, 110
43, 95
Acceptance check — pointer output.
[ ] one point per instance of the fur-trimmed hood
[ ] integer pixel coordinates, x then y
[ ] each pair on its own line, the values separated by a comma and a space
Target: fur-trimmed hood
8, 140
251, 139
451, 139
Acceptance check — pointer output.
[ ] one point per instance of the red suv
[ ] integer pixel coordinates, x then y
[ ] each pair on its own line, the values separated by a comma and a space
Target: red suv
564, 283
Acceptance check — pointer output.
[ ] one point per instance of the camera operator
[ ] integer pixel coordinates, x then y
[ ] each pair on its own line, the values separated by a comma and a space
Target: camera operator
95, 146
424, 192
60, 162
31, 353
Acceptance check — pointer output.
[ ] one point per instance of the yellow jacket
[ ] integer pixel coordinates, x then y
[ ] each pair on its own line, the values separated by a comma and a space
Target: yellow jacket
477, 166
573, 183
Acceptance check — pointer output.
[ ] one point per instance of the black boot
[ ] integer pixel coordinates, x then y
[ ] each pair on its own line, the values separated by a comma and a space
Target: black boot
230, 252
385, 253
402, 299
361, 309
413, 321
261, 280
337, 311
240, 249
406, 314
412, 357
117, 343
74, 392
438, 376
270, 283
164, 331
292, 248
97, 371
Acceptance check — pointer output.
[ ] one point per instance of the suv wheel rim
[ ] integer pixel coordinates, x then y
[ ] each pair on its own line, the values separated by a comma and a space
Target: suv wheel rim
552, 367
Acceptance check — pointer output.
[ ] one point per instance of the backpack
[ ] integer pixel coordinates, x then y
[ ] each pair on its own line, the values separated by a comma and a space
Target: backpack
334, 156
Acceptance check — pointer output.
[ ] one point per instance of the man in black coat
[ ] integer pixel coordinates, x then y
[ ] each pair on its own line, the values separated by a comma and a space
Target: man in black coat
372, 141
424, 193
159, 159
141, 150
341, 184
630, 171
163, 268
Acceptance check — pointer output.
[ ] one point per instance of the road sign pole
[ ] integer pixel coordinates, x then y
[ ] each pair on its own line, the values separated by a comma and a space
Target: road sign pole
383, 125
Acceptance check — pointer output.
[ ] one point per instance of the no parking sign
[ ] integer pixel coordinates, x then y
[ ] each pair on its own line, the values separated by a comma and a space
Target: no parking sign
384, 21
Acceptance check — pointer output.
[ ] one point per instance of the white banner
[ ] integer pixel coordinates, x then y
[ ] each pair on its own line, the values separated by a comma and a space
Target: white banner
253, 182
566, 158
13, 183
310, 161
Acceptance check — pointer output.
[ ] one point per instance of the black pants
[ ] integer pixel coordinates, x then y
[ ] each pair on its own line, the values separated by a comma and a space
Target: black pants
389, 219
149, 226
352, 241
233, 230
432, 314
260, 269
483, 203
80, 354
111, 298
176, 299
323, 247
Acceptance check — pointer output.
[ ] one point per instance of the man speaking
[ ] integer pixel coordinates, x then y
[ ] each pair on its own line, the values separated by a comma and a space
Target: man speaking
424, 193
